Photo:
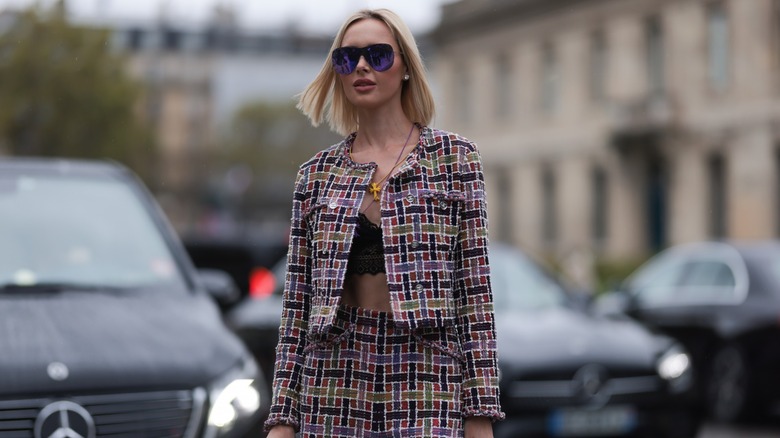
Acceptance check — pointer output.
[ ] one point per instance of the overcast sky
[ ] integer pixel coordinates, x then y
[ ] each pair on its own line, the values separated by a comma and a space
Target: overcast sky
320, 16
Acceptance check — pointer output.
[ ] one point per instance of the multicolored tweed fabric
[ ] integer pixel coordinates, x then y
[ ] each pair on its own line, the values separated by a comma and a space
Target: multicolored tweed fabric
434, 230
368, 378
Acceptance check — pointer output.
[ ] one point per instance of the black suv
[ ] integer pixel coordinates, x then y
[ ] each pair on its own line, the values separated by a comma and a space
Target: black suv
106, 328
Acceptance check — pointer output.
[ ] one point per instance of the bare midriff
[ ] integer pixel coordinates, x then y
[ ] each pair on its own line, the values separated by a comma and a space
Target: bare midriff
368, 291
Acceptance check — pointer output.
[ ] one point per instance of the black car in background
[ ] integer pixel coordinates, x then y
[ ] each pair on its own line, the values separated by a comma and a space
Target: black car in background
565, 372
256, 319
248, 259
722, 301
257, 266
106, 328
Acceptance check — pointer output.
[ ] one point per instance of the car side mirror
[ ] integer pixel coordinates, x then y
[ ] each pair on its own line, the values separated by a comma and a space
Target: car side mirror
219, 285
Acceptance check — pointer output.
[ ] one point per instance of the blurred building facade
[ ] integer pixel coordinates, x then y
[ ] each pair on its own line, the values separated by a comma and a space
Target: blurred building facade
195, 78
614, 128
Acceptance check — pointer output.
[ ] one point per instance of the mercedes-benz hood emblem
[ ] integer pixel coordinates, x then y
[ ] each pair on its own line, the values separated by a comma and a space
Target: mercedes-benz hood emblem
64, 419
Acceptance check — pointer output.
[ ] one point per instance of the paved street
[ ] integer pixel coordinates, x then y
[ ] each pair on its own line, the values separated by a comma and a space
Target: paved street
758, 431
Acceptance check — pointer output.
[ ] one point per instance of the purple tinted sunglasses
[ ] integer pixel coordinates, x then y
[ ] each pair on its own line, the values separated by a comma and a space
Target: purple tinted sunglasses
379, 56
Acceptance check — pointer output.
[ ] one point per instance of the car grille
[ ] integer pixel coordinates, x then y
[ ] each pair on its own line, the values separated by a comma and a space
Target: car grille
164, 414
570, 392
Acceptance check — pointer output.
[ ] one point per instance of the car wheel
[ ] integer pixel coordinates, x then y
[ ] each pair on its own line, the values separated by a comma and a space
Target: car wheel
728, 385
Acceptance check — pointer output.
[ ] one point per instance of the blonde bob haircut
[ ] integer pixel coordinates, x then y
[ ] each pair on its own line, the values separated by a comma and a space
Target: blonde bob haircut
325, 98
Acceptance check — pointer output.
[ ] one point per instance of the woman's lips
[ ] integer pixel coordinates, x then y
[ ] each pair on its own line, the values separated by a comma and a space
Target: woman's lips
363, 84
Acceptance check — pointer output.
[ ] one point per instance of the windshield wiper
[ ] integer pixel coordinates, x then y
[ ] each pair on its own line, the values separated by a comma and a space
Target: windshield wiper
55, 287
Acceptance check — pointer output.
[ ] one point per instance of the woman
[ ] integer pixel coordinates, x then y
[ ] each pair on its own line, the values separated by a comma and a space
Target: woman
387, 326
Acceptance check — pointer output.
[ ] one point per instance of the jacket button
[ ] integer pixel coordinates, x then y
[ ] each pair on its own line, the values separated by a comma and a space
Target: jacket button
415, 244
410, 198
419, 287
333, 205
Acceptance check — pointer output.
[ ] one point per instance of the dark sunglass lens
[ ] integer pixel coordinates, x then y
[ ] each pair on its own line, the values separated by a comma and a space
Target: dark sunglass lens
381, 56
345, 60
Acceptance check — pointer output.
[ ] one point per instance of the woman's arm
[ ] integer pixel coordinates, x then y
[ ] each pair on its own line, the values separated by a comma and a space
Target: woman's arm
295, 313
473, 295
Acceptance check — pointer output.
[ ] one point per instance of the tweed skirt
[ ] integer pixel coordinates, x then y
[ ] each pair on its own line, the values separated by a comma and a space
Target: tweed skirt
368, 378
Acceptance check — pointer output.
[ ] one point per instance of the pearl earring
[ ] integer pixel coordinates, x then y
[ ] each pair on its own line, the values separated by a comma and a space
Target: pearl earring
406, 77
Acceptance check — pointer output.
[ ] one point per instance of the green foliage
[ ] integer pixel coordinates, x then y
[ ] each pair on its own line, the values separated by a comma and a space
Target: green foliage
275, 137
64, 93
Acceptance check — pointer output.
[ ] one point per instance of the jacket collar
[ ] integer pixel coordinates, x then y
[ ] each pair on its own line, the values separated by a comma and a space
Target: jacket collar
423, 144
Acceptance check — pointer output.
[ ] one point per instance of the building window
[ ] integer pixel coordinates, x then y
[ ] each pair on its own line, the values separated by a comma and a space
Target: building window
172, 40
654, 55
152, 40
549, 75
598, 67
503, 87
718, 202
718, 45
135, 39
549, 209
462, 92
600, 207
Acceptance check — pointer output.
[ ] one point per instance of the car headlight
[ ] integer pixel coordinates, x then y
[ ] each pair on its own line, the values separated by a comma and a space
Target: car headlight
674, 366
235, 400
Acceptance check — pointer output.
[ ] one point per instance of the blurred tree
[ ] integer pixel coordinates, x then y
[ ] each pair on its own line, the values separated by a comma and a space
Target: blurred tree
64, 93
265, 145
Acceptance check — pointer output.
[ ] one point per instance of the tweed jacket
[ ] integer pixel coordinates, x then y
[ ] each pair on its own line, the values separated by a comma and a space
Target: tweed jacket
434, 226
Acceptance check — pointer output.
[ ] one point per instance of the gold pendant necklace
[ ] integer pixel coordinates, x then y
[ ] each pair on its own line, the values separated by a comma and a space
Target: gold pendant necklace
374, 189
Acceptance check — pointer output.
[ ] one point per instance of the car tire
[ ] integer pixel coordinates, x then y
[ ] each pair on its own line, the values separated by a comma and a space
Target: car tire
728, 386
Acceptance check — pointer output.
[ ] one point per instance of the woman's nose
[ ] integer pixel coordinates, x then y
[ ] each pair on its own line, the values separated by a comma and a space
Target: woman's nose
362, 63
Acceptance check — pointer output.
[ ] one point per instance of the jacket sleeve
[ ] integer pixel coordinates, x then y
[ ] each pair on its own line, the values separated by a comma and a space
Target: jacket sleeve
295, 313
474, 297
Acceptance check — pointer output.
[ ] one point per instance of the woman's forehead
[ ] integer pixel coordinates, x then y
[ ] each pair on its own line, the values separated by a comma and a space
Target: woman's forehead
366, 32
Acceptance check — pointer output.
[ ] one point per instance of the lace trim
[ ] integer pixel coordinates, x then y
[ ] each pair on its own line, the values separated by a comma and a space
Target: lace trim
368, 254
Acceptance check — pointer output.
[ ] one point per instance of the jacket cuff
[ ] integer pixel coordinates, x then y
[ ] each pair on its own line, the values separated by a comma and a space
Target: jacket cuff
494, 413
482, 402
281, 419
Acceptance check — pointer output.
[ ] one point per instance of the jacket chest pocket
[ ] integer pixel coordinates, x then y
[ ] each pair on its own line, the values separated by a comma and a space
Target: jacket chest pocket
436, 218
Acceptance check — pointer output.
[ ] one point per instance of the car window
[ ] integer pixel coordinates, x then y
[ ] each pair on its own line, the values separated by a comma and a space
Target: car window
84, 231
706, 281
709, 273
519, 284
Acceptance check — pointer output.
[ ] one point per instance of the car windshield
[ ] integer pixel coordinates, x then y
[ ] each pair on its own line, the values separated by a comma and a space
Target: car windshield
519, 284
83, 233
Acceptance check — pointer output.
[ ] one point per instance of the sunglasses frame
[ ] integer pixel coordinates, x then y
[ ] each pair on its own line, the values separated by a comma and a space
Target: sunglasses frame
352, 56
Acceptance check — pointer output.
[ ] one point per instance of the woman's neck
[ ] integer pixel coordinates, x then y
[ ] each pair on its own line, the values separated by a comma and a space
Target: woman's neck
376, 133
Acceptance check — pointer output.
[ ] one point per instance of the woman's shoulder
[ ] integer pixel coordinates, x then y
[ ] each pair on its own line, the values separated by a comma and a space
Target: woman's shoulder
327, 156
448, 142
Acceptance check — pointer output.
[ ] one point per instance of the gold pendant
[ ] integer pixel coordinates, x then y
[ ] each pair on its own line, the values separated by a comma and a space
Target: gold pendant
374, 189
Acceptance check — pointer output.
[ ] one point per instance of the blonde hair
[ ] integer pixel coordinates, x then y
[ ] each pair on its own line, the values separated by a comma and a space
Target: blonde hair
324, 98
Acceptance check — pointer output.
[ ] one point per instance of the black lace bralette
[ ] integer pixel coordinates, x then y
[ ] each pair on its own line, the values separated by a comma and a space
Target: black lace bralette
367, 255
